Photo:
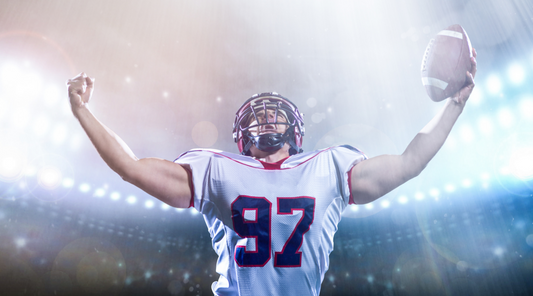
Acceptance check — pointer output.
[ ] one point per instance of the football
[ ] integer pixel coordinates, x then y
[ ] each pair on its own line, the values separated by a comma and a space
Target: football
445, 62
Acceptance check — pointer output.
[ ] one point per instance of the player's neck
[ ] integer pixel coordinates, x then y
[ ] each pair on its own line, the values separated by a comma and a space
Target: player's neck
275, 157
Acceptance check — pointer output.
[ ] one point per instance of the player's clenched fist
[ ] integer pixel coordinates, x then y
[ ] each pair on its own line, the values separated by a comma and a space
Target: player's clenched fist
80, 89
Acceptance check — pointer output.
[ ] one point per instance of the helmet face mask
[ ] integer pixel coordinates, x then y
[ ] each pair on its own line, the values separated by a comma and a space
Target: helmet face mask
247, 126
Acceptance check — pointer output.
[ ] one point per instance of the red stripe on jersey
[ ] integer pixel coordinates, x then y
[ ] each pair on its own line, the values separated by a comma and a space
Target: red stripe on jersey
350, 186
191, 186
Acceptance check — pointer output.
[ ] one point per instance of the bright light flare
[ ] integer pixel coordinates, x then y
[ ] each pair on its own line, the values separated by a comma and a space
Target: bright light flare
20, 242
403, 199
449, 188
68, 182
11, 166
526, 108
100, 192
516, 74
20, 117
484, 124
20, 84
50, 177
115, 195
52, 95
149, 204
369, 206
41, 125
59, 134
434, 192
84, 187
494, 84
521, 163
476, 97
385, 204
131, 200
506, 118
499, 251
467, 134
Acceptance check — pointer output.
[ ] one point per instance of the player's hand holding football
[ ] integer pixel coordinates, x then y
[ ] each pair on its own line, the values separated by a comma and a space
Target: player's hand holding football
80, 89
464, 93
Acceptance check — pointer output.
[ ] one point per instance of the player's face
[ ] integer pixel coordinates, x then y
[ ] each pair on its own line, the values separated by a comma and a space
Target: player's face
268, 128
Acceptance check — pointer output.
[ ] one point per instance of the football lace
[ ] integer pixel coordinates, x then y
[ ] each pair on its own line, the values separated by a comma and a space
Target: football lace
426, 54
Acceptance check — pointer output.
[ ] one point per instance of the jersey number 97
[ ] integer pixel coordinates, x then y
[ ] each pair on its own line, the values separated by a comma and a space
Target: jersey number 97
257, 225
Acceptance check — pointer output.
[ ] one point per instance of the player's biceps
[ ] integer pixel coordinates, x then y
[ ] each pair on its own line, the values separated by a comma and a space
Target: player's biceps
162, 179
364, 188
377, 176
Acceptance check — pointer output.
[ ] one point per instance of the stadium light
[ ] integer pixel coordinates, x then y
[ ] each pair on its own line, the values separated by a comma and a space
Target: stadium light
516, 74
484, 124
59, 134
494, 85
403, 199
68, 182
131, 200
521, 163
476, 97
467, 134
49, 177
84, 187
149, 204
467, 183
11, 167
506, 118
434, 192
52, 95
449, 188
41, 125
115, 195
100, 192
20, 117
526, 107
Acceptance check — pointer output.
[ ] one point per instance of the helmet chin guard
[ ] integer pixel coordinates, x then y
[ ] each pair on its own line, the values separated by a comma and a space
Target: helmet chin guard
269, 142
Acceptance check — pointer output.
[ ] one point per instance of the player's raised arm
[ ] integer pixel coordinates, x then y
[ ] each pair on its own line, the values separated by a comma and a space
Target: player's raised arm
163, 179
377, 176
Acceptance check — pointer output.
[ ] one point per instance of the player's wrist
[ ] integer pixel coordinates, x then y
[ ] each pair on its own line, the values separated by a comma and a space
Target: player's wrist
455, 104
78, 111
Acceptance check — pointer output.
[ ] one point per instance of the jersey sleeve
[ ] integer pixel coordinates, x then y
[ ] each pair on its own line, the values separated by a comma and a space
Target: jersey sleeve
345, 158
197, 163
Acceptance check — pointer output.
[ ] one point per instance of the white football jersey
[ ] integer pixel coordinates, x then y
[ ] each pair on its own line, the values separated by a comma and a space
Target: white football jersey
272, 225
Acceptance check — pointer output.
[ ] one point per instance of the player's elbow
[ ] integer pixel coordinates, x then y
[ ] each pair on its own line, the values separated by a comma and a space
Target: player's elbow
415, 171
130, 173
413, 166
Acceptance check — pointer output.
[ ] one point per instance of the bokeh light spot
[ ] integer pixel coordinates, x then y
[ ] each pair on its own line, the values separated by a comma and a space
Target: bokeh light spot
50, 177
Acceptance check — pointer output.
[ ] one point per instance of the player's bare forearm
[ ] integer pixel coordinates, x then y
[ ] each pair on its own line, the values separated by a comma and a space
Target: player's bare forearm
162, 179
431, 138
116, 154
379, 175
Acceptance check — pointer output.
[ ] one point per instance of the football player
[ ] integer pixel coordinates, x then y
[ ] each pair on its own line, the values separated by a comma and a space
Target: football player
271, 211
